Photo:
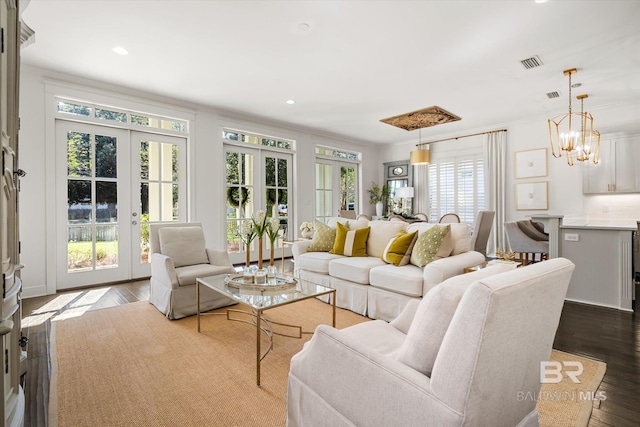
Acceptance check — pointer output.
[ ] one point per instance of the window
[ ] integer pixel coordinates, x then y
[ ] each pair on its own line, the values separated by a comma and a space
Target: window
121, 117
337, 186
456, 184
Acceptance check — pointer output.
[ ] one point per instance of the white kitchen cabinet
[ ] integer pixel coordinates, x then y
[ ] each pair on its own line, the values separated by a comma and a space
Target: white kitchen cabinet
616, 172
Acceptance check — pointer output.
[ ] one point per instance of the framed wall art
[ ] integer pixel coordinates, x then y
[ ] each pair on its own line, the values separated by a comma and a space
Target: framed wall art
532, 196
531, 163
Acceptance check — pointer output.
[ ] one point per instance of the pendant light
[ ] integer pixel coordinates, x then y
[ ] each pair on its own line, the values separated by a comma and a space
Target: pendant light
420, 156
563, 129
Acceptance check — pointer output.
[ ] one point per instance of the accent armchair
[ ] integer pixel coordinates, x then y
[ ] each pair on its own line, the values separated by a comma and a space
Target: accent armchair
459, 357
178, 257
526, 240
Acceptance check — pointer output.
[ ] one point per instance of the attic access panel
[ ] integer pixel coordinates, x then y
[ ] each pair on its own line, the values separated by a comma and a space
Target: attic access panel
427, 117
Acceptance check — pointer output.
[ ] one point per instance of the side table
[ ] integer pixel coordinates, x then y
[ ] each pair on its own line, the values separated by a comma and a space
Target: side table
486, 264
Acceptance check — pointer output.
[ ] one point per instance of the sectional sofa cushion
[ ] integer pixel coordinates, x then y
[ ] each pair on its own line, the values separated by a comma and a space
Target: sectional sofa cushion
315, 261
323, 238
433, 316
350, 242
408, 280
354, 269
398, 250
460, 234
184, 245
380, 234
435, 243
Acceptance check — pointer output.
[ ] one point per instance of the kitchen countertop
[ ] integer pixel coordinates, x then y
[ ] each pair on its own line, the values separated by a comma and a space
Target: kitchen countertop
600, 223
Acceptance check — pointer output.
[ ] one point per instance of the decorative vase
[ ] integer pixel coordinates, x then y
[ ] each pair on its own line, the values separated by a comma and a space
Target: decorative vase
272, 257
379, 206
260, 252
248, 253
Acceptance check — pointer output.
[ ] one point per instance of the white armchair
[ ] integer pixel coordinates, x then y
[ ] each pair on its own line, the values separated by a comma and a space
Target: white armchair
460, 357
178, 257
526, 240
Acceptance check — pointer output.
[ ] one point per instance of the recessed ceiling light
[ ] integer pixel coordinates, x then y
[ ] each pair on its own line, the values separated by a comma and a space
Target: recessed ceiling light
120, 50
540, 1
291, 102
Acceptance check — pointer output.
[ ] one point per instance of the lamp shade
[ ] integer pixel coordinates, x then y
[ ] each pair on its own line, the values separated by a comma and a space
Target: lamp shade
404, 192
420, 157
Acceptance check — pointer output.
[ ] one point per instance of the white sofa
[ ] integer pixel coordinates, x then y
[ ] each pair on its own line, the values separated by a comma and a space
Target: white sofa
371, 287
463, 356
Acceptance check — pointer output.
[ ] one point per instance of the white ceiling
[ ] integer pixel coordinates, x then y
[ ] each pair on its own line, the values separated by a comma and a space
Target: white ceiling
359, 61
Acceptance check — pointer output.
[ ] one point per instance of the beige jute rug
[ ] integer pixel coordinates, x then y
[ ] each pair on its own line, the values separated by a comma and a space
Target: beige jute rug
130, 366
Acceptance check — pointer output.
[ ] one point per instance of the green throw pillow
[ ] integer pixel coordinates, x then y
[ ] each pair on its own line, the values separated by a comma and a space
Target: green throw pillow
398, 250
432, 244
350, 242
323, 238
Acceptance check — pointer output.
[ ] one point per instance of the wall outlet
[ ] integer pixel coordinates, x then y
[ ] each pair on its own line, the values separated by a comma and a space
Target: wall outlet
572, 237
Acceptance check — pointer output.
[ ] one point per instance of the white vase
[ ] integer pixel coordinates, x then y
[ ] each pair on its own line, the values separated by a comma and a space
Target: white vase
379, 209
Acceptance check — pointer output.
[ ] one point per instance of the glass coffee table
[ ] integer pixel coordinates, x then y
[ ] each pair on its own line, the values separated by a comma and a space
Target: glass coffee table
261, 300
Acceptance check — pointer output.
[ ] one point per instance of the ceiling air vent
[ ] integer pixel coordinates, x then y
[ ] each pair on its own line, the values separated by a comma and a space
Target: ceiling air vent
532, 62
552, 95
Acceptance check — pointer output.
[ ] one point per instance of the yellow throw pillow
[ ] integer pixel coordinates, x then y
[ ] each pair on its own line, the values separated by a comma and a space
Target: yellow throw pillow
350, 242
398, 250
323, 238
431, 245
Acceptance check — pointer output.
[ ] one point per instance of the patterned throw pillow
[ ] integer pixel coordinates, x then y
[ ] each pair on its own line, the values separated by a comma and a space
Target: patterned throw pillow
350, 242
398, 250
431, 245
323, 238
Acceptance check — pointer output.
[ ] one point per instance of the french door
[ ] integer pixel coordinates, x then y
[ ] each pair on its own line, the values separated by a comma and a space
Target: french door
110, 184
256, 179
336, 188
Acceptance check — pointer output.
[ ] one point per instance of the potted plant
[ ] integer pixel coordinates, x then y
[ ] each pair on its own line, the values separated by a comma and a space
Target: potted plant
377, 195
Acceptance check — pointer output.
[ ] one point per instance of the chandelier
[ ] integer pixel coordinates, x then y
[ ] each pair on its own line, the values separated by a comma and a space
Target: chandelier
573, 133
588, 149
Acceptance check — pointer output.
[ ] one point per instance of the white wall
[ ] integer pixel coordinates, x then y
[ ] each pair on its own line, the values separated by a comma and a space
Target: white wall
205, 157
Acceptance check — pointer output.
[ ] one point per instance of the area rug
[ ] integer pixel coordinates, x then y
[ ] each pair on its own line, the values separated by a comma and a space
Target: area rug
130, 366
567, 403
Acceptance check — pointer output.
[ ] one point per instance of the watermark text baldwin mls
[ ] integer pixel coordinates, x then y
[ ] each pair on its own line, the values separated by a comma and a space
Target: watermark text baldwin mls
551, 372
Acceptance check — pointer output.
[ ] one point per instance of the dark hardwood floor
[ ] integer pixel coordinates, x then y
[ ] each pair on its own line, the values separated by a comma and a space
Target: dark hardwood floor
604, 334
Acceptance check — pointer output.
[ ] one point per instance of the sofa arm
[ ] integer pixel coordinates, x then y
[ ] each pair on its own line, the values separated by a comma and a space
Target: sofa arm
300, 247
163, 271
332, 381
219, 257
440, 270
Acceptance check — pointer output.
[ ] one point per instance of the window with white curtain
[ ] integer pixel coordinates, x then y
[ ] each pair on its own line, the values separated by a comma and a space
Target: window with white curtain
456, 185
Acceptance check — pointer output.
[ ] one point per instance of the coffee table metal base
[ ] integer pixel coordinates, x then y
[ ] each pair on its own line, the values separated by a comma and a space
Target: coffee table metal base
263, 324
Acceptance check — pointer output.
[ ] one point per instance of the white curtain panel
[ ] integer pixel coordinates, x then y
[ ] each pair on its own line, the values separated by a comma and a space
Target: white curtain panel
421, 183
495, 156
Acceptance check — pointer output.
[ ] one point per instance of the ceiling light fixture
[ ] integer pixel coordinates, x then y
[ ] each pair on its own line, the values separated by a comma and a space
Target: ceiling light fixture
421, 156
562, 129
120, 50
291, 101
589, 149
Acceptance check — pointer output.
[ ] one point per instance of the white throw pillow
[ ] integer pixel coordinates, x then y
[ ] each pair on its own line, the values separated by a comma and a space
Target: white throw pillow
184, 245
431, 321
380, 234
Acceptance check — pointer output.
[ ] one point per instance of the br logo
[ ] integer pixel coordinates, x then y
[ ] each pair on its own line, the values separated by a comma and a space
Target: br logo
551, 371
